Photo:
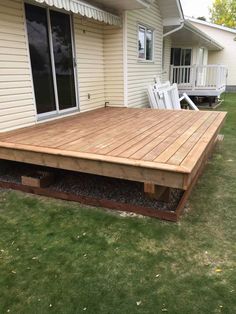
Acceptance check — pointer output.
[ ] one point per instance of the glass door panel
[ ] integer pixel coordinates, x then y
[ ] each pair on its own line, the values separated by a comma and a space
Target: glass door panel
186, 61
37, 27
63, 57
181, 57
186, 57
175, 56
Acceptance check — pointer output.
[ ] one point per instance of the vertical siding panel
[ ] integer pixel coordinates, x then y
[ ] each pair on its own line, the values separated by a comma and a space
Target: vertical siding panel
166, 59
89, 45
141, 74
114, 74
17, 107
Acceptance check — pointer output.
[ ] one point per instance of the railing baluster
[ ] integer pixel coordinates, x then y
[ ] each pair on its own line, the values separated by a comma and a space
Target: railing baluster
200, 76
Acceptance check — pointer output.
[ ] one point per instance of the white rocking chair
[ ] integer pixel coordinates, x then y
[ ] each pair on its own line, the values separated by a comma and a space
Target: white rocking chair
166, 96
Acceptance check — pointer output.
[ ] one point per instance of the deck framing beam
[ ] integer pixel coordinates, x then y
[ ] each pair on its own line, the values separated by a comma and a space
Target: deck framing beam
104, 168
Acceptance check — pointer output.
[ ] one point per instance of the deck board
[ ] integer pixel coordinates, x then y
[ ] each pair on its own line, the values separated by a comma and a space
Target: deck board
180, 154
164, 140
117, 137
180, 137
160, 146
137, 144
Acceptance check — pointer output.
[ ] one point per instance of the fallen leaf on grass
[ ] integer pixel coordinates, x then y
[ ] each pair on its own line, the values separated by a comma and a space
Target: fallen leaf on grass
218, 270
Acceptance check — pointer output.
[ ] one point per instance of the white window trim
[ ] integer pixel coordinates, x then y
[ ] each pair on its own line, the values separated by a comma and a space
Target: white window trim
146, 27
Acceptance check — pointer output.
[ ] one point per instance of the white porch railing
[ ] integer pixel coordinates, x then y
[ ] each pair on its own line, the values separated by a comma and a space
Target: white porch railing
199, 77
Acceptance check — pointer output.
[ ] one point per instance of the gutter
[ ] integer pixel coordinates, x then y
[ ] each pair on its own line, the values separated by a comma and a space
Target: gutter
201, 34
180, 8
146, 3
174, 30
181, 20
196, 31
223, 28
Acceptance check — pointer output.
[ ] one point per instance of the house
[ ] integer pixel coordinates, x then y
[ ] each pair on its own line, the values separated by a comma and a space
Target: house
73, 76
226, 37
187, 61
60, 57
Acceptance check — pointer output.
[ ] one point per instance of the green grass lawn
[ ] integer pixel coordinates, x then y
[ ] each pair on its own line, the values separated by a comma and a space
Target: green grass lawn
61, 257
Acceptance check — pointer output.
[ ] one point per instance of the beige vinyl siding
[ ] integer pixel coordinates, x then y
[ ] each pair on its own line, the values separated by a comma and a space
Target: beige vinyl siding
99, 57
17, 108
140, 73
225, 56
114, 74
89, 45
166, 59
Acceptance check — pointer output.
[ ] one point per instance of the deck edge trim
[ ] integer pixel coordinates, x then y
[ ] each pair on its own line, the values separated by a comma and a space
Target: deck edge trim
96, 157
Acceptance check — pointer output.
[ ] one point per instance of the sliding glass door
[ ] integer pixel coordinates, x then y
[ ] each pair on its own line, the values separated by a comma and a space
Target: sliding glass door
182, 58
52, 60
37, 26
63, 58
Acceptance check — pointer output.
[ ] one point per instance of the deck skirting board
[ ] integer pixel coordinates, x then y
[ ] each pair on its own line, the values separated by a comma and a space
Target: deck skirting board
92, 201
231, 88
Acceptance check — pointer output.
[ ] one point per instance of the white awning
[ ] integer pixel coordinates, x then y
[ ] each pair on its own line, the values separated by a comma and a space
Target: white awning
84, 9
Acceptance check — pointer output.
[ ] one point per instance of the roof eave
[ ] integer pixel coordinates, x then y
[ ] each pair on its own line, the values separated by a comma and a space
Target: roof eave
203, 35
221, 27
174, 16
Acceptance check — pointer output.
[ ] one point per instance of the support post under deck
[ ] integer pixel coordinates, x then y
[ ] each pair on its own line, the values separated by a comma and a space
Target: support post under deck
157, 192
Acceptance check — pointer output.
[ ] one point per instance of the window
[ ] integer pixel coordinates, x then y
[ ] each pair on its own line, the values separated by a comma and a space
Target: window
145, 43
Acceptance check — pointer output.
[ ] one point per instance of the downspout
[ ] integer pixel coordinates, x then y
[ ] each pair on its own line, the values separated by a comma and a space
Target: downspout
171, 32
181, 21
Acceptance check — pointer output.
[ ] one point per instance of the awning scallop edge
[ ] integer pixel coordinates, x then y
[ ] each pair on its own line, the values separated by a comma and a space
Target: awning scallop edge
84, 9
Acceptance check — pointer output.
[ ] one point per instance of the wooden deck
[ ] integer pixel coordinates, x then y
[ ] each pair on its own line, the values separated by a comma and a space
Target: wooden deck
161, 147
